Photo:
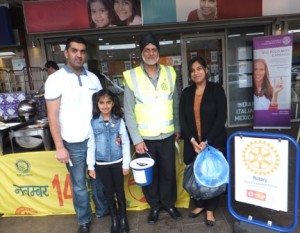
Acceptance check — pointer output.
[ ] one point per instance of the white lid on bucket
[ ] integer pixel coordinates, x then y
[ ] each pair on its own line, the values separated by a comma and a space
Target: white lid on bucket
141, 163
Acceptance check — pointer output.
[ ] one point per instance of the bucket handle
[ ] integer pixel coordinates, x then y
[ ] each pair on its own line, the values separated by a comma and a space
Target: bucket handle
144, 153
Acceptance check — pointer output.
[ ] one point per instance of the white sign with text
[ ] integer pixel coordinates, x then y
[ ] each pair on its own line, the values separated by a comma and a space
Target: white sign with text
261, 172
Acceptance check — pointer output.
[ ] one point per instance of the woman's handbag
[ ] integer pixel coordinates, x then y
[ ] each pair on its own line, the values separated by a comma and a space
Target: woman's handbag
205, 161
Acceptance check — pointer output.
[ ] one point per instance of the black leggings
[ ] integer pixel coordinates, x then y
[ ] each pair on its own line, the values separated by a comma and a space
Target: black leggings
113, 181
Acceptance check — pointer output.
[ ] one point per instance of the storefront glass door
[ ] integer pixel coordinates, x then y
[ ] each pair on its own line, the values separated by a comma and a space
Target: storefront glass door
211, 49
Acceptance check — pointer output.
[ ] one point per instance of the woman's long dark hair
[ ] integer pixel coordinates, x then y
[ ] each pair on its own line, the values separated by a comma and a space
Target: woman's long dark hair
116, 110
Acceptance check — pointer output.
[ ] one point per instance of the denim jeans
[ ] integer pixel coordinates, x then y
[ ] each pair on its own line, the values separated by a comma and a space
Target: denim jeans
81, 200
101, 207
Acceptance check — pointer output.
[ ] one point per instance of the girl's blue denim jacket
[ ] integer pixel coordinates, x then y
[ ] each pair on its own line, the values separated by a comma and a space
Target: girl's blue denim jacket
106, 137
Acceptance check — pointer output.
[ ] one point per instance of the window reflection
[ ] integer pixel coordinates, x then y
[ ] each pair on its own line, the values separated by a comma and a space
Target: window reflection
239, 76
113, 55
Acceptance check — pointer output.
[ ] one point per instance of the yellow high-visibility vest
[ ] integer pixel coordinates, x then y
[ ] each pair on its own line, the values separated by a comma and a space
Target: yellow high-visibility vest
153, 106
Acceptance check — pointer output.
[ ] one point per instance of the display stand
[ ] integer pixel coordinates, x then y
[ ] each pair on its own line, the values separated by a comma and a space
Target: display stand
29, 131
249, 224
4, 129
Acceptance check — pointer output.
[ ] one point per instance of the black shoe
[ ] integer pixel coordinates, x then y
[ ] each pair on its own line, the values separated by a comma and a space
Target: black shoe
174, 213
194, 215
153, 216
210, 223
84, 228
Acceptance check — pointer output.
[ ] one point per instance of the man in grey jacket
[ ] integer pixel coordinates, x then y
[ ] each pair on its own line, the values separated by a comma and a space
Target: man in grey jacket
151, 114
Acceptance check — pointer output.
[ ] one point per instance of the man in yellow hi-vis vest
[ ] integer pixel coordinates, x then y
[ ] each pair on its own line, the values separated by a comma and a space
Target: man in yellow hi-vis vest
151, 114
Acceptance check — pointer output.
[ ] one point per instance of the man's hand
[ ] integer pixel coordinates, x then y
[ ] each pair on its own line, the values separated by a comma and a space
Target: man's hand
177, 136
141, 148
62, 155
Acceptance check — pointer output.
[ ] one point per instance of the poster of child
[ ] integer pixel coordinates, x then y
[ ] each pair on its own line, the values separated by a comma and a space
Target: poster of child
101, 13
128, 12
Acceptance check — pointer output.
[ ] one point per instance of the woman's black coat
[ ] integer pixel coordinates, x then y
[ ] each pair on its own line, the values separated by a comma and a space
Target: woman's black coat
213, 112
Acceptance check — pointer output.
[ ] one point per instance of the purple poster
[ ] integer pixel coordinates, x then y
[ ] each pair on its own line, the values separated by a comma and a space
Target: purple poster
272, 61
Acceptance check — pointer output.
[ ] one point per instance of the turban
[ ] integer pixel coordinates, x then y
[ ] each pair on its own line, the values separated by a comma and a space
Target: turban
148, 39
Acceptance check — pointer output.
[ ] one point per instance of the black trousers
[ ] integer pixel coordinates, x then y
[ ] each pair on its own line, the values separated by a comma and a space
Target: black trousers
209, 204
113, 182
162, 192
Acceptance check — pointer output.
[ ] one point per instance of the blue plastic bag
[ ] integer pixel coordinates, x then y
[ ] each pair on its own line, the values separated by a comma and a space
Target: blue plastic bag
200, 191
211, 169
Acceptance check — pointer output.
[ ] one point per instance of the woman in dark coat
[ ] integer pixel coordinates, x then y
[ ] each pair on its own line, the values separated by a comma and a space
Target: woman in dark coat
203, 111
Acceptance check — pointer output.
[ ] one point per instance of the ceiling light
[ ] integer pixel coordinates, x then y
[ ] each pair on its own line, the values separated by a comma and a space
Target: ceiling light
7, 54
254, 33
115, 47
165, 42
234, 35
294, 31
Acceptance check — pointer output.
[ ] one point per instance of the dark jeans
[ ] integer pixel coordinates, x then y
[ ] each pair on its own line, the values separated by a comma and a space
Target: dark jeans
162, 192
113, 181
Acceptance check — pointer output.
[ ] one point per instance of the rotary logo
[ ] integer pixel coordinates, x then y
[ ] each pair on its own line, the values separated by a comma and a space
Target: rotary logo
286, 40
260, 157
23, 166
164, 86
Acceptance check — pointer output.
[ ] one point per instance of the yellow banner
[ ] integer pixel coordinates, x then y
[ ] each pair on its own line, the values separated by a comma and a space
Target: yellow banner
35, 183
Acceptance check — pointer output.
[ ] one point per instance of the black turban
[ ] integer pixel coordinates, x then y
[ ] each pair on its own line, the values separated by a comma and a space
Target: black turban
148, 39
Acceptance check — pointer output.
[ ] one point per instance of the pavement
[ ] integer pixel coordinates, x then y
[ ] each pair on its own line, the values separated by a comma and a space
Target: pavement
137, 222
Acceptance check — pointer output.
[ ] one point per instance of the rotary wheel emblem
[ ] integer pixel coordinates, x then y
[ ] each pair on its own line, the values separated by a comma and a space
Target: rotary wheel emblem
164, 86
22, 166
260, 157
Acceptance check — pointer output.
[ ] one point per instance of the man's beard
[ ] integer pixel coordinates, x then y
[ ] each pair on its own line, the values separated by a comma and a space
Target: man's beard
150, 63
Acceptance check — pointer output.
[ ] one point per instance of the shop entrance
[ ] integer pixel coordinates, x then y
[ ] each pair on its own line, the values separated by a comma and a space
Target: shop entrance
211, 48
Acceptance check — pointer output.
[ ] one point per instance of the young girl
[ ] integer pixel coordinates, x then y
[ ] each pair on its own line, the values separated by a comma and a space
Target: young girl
112, 154
128, 11
101, 13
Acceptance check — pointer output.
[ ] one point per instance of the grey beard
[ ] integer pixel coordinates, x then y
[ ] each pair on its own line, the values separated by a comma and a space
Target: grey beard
150, 63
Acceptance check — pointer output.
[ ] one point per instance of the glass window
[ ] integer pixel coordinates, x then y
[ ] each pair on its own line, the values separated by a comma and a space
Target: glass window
239, 75
109, 57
